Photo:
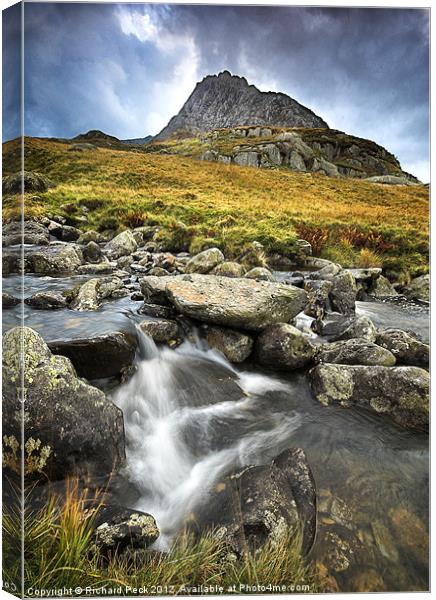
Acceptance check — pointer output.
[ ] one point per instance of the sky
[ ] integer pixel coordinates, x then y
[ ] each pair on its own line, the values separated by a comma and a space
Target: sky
126, 69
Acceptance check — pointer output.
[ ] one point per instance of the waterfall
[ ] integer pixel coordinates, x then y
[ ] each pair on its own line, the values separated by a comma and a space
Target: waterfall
190, 417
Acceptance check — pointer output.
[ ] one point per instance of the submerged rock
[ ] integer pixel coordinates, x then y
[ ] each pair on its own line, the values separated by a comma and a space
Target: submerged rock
407, 349
98, 356
399, 392
70, 426
205, 261
284, 347
235, 346
355, 352
236, 303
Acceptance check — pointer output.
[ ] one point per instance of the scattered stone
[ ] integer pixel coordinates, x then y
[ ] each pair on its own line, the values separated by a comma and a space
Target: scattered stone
158, 272
406, 349
260, 273
355, 352
69, 233
205, 261
235, 346
419, 288
399, 392
47, 300
362, 328
411, 533
160, 330
98, 356
118, 529
92, 252
91, 236
31, 232
343, 293
71, 427
55, 260
282, 347
382, 288
9, 301
121, 245
97, 269
228, 269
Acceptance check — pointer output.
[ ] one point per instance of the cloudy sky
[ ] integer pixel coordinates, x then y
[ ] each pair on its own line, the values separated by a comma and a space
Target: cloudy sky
127, 68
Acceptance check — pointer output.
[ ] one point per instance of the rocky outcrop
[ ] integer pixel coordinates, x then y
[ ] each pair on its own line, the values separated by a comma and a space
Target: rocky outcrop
70, 426
98, 356
401, 393
32, 182
235, 303
227, 100
284, 347
235, 346
355, 352
407, 349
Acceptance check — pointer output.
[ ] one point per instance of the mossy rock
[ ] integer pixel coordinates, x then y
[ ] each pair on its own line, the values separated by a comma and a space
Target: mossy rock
33, 182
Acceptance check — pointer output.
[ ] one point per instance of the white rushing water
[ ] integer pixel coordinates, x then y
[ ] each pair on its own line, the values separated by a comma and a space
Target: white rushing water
189, 418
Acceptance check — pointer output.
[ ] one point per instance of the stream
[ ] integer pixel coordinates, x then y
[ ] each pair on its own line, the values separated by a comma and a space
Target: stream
191, 416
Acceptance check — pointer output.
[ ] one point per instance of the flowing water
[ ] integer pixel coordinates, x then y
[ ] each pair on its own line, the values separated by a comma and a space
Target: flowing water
190, 417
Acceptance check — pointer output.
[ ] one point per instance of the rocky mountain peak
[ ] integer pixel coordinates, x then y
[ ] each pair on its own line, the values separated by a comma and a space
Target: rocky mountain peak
227, 100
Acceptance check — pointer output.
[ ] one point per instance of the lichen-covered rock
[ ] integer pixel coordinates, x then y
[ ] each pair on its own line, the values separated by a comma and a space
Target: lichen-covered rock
343, 293
153, 288
121, 245
118, 529
54, 260
235, 303
261, 504
70, 427
98, 356
260, 273
235, 346
419, 288
355, 352
253, 255
205, 261
91, 236
160, 330
228, 269
402, 393
93, 291
407, 349
31, 232
69, 233
47, 300
282, 347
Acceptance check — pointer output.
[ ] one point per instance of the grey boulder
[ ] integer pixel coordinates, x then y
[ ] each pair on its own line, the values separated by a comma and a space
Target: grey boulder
205, 261
407, 349
282, 347
355, 352
235, 345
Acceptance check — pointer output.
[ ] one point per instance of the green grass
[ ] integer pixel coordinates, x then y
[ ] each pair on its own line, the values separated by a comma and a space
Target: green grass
58, 553
231, 204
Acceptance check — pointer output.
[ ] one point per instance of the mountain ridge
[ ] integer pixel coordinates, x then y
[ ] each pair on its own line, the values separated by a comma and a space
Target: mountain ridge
227, 100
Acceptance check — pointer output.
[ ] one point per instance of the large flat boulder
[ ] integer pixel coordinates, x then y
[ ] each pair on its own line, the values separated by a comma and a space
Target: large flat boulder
238, 303
399, 392
70, 426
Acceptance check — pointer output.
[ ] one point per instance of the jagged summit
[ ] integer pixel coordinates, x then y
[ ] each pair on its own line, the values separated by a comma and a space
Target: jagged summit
227, 100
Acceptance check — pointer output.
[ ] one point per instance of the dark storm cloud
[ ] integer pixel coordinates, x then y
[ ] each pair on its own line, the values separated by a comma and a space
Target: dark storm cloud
11, 60
127, 69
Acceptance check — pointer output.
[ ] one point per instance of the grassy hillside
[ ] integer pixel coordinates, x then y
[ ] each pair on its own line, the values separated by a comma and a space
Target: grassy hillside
352, 221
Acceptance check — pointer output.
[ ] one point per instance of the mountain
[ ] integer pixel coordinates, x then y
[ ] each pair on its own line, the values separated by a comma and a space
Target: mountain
139, 141
227, 100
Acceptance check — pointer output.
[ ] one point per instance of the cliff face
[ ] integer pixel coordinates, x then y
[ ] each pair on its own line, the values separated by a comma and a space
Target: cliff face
227, 100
